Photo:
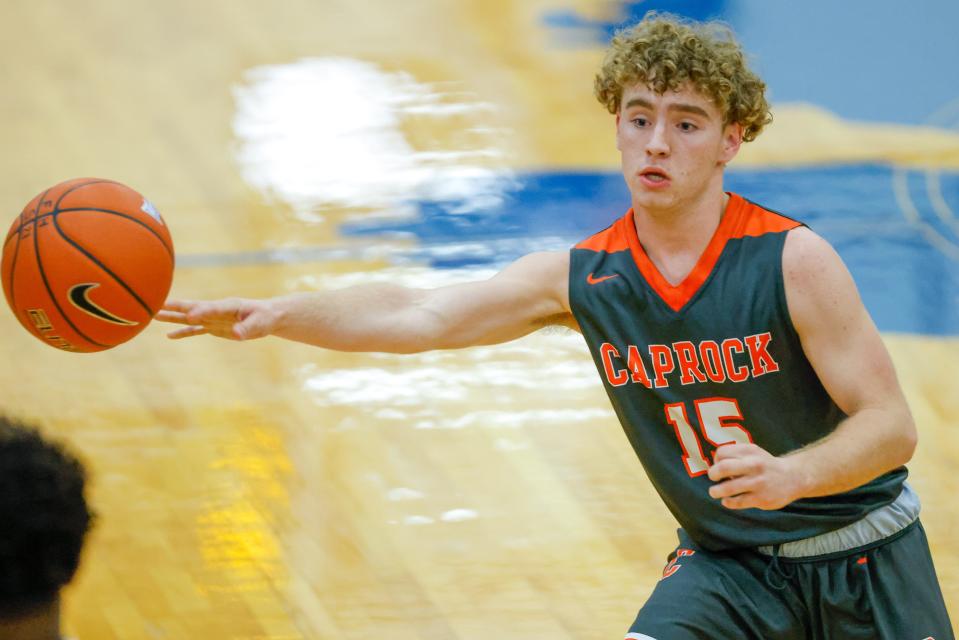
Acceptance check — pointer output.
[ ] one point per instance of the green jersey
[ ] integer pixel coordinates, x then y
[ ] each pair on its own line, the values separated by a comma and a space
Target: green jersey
711, 361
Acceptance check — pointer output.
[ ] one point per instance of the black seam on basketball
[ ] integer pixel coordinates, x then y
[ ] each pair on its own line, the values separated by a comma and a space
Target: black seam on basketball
16, 252
43, 276
76, 187
60, 199
168, 248
115, 213
14, 230
13, 270
63, 195
57, 209
97, 262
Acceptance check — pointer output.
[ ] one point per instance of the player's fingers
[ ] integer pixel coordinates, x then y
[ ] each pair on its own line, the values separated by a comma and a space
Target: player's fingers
186, 332
734, 450
171, 316
226, 310
179, 305
728, 468
742, 501
731, 488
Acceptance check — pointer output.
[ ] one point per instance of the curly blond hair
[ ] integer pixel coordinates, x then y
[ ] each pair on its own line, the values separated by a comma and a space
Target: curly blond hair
666, 52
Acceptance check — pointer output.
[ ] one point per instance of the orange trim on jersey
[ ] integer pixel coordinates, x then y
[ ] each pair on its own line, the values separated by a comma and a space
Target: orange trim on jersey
677, 296
742, 218
759, 221
611, 239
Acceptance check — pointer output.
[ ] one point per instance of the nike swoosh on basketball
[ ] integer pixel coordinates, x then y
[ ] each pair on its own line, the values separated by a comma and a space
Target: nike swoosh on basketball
79, 295
591, 280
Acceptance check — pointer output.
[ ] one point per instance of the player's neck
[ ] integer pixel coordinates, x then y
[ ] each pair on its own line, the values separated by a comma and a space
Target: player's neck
43, 624
674, 239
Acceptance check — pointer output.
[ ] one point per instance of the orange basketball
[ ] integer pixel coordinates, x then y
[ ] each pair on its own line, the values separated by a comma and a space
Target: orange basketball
87, 264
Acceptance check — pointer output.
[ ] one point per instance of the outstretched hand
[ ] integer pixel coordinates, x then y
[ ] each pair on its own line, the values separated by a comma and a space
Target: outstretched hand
230, 318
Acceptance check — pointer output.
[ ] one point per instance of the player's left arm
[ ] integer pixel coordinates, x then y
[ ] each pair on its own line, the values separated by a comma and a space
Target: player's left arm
843, 345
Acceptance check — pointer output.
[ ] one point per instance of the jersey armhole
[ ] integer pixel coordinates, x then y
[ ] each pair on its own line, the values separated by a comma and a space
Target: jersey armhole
781, 297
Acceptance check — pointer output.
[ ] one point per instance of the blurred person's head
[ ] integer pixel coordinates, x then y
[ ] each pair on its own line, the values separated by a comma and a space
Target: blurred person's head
43, 521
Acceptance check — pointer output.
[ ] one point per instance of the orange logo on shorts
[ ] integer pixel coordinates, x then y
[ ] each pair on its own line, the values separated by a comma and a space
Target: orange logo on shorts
673, 565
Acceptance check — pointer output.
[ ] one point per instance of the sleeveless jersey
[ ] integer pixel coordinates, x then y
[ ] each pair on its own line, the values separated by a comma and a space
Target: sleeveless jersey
711, 361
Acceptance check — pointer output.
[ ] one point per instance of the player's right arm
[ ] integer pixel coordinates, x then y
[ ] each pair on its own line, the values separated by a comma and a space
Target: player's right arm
527, 295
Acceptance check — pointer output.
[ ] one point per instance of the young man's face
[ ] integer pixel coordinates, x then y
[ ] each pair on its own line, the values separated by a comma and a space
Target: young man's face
673, 146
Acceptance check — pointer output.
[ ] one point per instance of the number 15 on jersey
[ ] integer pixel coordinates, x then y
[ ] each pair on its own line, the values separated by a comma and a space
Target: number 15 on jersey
720, 421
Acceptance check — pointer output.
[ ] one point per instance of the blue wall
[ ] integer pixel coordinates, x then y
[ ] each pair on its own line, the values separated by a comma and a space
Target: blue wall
873, 60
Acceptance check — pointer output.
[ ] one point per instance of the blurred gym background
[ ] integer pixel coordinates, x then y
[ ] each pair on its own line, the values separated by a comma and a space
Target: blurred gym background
272, 490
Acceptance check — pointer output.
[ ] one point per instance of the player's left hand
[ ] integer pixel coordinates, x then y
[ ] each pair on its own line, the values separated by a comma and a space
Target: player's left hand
747, 475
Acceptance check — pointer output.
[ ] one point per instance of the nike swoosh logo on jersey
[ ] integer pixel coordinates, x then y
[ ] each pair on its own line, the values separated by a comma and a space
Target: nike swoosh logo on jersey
79, 295
591, 280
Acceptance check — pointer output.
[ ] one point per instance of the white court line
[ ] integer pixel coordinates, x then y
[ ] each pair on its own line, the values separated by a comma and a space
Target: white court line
900, 188
944, 117
939, 204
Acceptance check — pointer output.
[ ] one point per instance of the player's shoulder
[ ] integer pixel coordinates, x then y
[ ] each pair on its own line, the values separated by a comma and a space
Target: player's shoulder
542, 263
612, 239
540, 270
542, 275
816, 280
806, 254
802, 247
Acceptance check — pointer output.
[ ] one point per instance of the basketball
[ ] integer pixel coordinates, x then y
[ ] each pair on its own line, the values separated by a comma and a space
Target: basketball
87, 264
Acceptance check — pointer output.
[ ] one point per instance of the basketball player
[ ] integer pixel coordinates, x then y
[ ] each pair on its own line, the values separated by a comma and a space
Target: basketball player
736, 352
43, 521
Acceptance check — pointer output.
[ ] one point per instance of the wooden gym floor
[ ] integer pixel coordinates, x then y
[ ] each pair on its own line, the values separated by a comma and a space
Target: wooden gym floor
271, 490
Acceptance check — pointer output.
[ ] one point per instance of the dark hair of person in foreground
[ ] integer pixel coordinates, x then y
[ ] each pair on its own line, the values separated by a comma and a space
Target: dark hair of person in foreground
44, 519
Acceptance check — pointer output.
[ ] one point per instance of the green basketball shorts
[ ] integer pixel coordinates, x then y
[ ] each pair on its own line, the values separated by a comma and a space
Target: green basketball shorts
886, 590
